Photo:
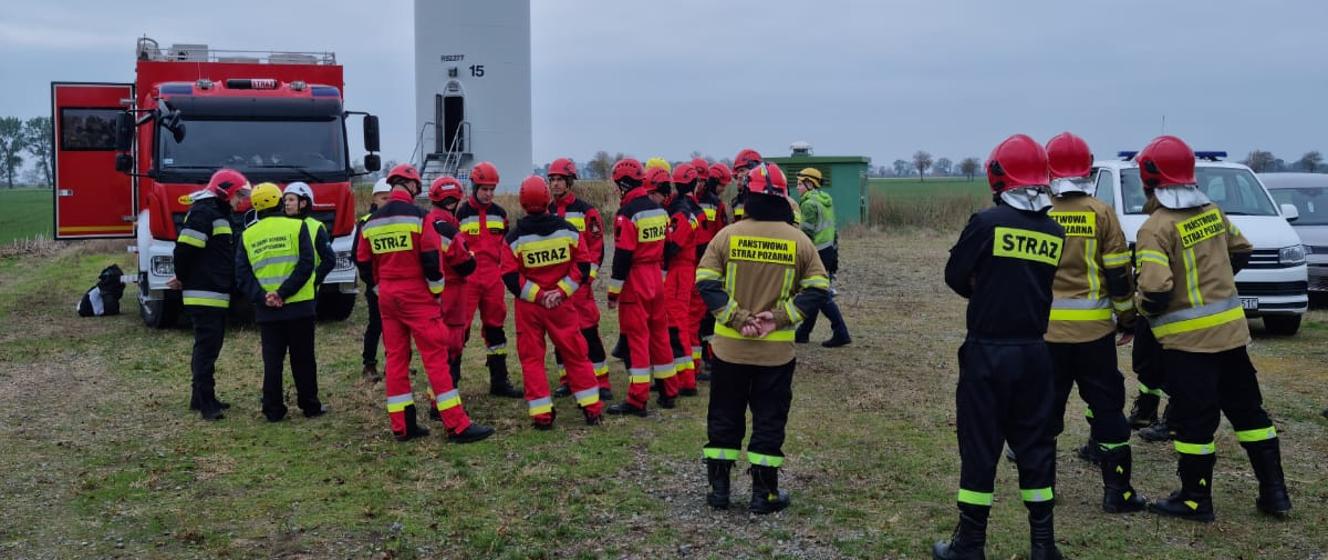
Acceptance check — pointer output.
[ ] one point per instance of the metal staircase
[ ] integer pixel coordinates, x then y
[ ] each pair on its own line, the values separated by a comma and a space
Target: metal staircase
455, 161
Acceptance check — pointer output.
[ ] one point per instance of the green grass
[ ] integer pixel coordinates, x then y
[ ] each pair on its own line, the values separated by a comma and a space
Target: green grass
912, 188
24, 213
102, 458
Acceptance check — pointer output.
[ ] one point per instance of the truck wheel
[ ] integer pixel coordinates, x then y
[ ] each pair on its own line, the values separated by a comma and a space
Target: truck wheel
157, 313
1282, 325
334, 305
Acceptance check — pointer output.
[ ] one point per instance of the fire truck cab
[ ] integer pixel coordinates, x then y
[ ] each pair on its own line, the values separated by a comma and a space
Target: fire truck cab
128, 156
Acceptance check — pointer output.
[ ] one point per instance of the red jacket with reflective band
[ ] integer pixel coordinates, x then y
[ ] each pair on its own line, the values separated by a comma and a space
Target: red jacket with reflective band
483, 227
395, 241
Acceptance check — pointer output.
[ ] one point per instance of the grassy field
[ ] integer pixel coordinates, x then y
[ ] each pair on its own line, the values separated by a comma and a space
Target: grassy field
24, 213
940, 186
103, 459
936, 203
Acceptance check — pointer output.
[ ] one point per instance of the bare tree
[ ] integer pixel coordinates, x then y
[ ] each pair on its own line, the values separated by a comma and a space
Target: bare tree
943, 166
12, 141
601, 165
1260, 161
38, 143
922, 162
969, 167
1311, 161
901, 168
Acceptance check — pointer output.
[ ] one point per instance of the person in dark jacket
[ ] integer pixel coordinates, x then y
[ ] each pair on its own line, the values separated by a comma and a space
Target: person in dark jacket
275, 270
204, 272
373, 331
297, 201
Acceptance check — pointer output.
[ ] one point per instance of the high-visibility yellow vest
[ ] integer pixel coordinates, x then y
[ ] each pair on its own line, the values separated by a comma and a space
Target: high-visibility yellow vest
314, 225
273, 248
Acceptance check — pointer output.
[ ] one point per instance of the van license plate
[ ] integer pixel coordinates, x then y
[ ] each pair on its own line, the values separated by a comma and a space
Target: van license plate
1250, 303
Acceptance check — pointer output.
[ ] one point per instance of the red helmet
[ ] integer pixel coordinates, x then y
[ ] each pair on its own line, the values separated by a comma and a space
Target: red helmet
702, 168
721, 174
564, 167
657, 180
630, 169
403, 172
444, 188
767, 178
1018, 161
747, 157
1068, 157
1166, 161
685, 173
534, 195
484, 173
226, 182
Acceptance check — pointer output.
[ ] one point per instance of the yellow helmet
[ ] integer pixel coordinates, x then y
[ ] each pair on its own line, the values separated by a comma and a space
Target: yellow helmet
660, 163
265, 196
811, 174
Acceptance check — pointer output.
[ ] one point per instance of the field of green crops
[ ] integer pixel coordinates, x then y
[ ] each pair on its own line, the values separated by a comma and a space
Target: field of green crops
24, 213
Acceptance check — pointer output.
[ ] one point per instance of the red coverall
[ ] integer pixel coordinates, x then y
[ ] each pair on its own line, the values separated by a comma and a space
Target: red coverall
483, 228
637, 283
680, 285
458, 263
405, 265
588, 222
544, 253
716, 217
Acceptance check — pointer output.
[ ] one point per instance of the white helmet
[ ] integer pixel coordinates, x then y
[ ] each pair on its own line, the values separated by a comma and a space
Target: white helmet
381, 186
301, 189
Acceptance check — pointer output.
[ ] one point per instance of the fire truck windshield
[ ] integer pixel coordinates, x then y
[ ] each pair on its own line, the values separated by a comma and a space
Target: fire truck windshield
263, 149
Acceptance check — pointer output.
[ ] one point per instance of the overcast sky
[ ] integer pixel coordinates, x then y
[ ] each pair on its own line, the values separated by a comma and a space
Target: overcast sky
873, 78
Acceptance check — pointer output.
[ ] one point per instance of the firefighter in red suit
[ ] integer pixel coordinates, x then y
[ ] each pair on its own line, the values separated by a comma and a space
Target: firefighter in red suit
636, 289
401, 254
483, 225
709, 196
685, 219
545, 263
588, 222
457, 261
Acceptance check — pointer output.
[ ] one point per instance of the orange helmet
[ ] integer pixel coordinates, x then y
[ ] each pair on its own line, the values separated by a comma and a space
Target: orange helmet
484, 173
1068, 157
1017, 162
225, 183
444, 188
1166, 161
534, 195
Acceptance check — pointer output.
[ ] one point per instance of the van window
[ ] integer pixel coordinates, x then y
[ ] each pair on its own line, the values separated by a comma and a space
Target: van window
1234, 190
1105, 189
1312, 202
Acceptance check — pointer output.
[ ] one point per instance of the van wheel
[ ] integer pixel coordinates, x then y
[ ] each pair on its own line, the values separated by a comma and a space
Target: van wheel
1282, 325
157, 313
334, 305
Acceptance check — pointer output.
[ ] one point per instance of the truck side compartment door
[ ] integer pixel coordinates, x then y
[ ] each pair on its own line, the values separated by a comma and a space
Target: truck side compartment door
92, 199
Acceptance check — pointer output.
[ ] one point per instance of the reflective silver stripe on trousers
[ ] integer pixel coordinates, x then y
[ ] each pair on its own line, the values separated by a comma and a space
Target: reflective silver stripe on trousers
204, 294
1080, 303
400, 399
540, 402
1204, 310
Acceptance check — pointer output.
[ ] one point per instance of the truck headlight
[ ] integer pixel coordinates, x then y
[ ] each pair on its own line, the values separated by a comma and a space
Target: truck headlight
1292, 255
163, 266
344, 262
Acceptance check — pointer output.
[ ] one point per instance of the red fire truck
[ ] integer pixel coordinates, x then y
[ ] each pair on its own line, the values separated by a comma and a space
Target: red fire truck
128, 156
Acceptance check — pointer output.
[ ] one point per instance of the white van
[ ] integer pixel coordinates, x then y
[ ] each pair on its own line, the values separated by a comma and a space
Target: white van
1274, 286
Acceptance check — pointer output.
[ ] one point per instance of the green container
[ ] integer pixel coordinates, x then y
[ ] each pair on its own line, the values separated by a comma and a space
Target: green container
845, 180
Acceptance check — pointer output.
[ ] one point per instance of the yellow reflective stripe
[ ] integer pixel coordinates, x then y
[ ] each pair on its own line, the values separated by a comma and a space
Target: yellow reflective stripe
663, 371
974, 498
1192, 278
1113, 260
703, 274
594, 271
192, 237
450, 399
1199, 323
1122, 305
398, 403
436, 286
720, 453
1027, 245
568, 286
764, 460
615, 286
204, 298
601, 368
778, 335
1257, 434
795, 316
1080, 314
1094, 276
638, 375
726, 312
817, 281
587, 397
1149, 255
530, 291
540, 406
371, 231
1150, 391
1196, 448
1037, 494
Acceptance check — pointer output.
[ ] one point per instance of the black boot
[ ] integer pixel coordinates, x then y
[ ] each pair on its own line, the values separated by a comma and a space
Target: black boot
499, 386
1118, 496
718, 471
454, 368
370, 374
620, 348
766, 495
969, 538
1091, 452
1042, 531
1158, 431
666, 401
1266, 458
413, 429
1144, 411
625, 408
605, 395
1194, 500
562, 391
472, 433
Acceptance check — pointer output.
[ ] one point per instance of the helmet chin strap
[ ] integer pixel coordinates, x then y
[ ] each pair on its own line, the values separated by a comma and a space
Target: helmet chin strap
1028, 199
